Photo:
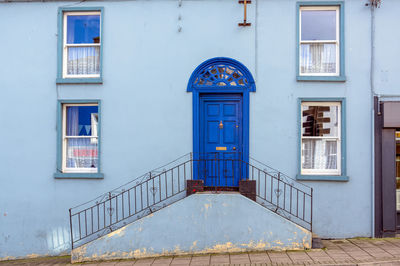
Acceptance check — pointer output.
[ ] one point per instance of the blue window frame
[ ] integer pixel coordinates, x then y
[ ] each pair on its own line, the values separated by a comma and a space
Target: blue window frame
320, 41
322, 139
78, 139
80, 45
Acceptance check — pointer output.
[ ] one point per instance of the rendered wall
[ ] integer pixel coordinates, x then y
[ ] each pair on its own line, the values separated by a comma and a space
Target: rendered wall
202, 223
386, 68
147, 113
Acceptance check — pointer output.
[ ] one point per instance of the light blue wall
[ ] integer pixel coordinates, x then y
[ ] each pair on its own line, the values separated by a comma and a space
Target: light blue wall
387, 69
274, 132
147, 113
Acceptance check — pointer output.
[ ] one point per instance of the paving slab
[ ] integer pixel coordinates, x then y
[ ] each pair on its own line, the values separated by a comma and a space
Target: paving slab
200, 260
320, 256
279, 257
337, 252
299, 257
394, 241
162, 261
181, 260
259, 258
144, 262
123, 263
219, 259
239, 258
339, 256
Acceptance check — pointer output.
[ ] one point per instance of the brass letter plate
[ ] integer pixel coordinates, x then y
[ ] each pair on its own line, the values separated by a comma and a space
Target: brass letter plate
220, 148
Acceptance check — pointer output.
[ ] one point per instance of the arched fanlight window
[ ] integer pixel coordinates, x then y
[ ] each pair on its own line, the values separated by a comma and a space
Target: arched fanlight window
221, 72
221, 75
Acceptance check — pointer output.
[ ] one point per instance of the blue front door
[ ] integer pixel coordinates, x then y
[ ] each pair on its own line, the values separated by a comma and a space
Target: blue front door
220, 139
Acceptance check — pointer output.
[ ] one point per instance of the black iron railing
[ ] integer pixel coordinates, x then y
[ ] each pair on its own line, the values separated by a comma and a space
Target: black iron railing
280, 193
167, 184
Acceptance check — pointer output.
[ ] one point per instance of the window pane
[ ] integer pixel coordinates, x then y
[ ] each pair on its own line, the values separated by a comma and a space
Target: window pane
82, 153
319, 154
80, 122
318, 58
318, 25
320, 121
83, 29
83, 60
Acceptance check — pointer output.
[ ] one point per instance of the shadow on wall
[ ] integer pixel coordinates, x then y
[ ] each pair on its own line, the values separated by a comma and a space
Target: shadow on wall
59, 240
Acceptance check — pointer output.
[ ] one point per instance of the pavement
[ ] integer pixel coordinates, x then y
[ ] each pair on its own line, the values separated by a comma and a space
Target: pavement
355, 251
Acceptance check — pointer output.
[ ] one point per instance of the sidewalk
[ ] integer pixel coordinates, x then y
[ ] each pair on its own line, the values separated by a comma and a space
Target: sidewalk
365, 251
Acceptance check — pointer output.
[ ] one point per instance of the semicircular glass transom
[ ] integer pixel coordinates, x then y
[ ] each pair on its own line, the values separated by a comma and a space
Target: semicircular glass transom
220, 75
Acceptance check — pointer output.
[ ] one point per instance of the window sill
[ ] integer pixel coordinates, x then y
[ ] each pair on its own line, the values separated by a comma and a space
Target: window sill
78, 175
322, 78
341, 178
79, 80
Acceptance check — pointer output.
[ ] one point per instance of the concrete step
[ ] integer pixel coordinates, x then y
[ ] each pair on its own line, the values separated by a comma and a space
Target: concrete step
199, 224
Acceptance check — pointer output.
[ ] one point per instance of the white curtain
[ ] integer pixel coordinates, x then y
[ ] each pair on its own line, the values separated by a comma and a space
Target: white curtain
83, 60
81, 152
318, 58
319, 154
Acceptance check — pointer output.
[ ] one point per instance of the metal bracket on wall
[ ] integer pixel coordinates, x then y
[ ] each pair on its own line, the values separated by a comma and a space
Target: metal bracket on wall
245, 23
374, 3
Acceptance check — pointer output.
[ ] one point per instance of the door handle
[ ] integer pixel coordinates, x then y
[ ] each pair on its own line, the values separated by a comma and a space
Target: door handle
234, 148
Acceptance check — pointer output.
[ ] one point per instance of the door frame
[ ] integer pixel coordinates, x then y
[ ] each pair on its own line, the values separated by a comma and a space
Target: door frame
245, 90
386, 120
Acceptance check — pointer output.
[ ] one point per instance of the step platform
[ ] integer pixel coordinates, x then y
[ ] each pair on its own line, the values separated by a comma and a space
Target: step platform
201, 223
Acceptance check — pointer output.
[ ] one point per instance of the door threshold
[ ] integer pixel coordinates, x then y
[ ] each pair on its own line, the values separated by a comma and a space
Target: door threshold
234, 189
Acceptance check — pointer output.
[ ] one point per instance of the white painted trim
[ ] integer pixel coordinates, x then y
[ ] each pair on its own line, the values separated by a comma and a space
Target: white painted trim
65, 45
65, 138
338, 140
337, 41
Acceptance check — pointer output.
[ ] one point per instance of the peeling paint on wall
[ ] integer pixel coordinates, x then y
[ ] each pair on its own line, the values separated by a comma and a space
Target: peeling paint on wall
191, 226
7, 258
119, 232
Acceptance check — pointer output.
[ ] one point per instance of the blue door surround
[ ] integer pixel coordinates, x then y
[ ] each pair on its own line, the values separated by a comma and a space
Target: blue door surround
221, 76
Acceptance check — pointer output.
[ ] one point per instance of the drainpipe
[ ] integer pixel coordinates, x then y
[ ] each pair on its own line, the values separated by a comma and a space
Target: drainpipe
372, 92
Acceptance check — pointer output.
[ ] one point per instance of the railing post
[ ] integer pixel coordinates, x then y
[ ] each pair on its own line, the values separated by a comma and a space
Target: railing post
217, 177
191, 166
278, 191
147, 188
70, 227
110, 212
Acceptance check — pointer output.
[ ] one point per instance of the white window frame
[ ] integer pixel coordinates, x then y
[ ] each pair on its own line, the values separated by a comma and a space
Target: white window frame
92, 137
94, 120
65, 45
338, 140
337, 41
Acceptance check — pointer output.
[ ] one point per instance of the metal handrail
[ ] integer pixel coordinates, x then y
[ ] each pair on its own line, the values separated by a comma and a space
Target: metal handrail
167, 184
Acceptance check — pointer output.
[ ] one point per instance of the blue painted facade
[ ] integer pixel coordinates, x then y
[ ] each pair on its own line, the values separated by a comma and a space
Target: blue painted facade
149, 50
